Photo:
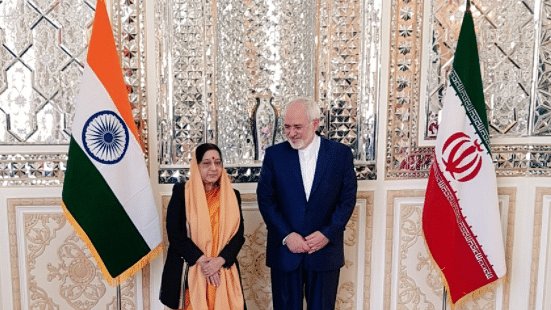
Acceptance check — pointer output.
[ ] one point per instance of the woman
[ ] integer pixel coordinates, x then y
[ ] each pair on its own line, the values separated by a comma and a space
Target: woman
204, 224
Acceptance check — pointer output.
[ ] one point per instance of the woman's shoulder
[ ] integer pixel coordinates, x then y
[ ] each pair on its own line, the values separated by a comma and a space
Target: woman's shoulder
179, 185
237, 195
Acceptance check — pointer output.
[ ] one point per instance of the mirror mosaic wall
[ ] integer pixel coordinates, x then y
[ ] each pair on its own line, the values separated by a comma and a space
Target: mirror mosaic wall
512, 38
216, 60
215, 76
44, 46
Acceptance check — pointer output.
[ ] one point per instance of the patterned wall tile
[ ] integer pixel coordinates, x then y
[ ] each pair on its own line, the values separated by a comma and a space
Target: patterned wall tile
412, 279
51, 266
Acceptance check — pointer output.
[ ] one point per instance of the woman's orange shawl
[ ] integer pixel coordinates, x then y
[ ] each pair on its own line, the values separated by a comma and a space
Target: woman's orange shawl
228, 296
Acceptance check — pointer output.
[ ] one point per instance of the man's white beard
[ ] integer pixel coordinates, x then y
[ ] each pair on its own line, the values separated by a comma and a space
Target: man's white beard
297, 146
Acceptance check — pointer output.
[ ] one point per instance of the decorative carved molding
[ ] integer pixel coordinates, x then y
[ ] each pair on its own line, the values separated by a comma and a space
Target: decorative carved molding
536, 245
146, 287
410, 293
12, 231
511, 194
256, 275
58, 268
368, 198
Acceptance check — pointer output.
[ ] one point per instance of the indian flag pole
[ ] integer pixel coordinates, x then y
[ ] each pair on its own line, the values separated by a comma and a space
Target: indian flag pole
461, 220
107, 194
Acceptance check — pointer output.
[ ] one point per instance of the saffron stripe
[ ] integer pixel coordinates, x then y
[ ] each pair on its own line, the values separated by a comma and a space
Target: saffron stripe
104, 61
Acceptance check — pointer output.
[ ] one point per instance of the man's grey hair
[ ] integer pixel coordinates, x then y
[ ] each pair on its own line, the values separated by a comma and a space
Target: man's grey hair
312, 109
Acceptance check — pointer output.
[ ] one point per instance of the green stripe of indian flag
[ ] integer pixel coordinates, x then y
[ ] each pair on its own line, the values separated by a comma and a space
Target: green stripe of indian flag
133, 192
121, 245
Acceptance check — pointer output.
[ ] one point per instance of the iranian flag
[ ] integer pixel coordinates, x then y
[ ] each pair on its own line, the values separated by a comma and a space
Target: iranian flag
107, 194
461, 221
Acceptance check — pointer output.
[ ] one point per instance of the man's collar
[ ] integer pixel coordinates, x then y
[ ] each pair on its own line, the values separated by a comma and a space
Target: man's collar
313, 146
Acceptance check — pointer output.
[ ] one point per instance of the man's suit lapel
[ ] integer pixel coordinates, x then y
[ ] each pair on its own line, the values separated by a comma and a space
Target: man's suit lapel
321, 165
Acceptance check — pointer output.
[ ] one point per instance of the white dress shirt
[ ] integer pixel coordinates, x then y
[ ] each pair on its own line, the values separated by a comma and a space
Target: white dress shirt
308, 158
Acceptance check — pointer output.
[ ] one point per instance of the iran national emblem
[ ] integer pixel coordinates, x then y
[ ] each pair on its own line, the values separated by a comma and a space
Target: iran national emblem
462, 156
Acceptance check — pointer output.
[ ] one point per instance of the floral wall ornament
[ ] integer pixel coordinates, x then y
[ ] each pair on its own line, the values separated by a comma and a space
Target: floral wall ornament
80, 282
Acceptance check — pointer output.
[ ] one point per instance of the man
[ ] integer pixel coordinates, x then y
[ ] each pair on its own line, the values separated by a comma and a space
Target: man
306, 195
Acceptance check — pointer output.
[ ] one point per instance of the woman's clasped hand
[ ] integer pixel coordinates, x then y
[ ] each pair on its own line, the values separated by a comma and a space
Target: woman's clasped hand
210, 267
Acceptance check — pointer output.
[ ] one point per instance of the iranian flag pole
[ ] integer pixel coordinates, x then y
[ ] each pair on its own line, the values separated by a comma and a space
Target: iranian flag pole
461, 226
444, 298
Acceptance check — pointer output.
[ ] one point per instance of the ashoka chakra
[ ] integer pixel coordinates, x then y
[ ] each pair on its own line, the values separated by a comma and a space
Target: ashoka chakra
105, 137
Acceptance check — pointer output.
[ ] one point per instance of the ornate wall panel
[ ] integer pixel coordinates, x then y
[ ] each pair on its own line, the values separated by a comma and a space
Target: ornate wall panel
185, 44
262, 48
256, 276
347, 71
412, 279
234, 128
540, 291
42, 54
52, 268
265, 47
405, 158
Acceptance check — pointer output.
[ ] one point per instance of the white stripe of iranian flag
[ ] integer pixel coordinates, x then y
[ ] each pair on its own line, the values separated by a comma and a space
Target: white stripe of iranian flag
477, 196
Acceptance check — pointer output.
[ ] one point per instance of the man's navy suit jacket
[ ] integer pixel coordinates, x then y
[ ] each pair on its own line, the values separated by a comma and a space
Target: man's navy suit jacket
283, 205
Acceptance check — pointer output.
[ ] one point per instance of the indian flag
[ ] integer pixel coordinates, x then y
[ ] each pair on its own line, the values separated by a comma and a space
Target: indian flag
107, 194
461, 220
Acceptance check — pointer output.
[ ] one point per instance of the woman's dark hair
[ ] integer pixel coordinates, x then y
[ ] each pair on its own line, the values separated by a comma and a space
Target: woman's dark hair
205, 147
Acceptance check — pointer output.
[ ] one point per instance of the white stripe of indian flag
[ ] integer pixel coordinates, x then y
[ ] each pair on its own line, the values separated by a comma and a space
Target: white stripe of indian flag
134, 193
